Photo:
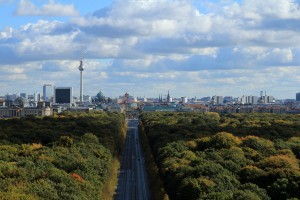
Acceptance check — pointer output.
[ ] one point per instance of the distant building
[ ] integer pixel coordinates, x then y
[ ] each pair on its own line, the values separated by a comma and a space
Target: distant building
48, 92
100, 98
205, 99
30, 97
142, 99
217, 100
23, 95
243, 99
63, 95
115, 108
169, 97
160, 99
287, 101
298, 96
253, 100
126, 98
11, 97
37, 97
41, 110
228, 99
270, 99
267, 99
2, 101
87, 98
184, 99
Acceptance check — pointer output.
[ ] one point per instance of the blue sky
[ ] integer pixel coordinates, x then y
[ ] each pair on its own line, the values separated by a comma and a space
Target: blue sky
147, 47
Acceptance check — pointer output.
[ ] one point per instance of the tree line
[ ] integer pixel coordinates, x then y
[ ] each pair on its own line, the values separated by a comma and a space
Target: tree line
62, 157
212, 156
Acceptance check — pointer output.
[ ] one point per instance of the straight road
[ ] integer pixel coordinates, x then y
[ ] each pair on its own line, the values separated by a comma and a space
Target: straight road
133, 181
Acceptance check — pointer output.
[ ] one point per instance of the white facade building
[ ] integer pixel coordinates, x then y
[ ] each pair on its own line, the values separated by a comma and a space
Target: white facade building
48, 92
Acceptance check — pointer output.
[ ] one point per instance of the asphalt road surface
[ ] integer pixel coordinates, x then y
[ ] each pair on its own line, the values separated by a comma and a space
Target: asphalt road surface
133, 181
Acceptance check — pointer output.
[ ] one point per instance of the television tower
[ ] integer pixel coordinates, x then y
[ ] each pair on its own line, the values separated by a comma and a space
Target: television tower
81, 68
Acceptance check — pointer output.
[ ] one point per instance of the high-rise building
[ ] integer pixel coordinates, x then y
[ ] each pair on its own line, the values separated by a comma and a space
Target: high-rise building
48, 92
63, 95
169, 97
252, 100
261, 94
228, 99
184, 99
267, 99
217, 100
37, 97
23, 95
11, 97
271, 99
160, 99
126, 98
31, 97
298, 96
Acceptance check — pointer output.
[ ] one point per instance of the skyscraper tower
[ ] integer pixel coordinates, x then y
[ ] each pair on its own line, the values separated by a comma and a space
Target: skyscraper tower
48, 91
81, 68
168, 97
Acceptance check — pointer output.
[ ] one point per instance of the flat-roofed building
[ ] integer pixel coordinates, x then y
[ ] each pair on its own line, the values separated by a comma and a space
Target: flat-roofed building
10, 112
63, 95
48, 92
298, 96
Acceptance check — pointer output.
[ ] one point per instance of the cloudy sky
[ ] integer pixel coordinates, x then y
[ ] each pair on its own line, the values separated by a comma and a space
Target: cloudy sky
147, 47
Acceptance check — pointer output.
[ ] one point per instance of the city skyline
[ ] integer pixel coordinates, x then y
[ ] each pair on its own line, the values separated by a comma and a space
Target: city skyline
49, 90
145, 47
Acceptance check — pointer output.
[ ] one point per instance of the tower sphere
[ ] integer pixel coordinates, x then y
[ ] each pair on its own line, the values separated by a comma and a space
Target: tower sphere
81, 67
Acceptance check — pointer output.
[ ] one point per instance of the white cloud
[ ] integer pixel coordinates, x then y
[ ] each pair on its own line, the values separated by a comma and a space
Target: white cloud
160, 43
103, 75
14, 70
280, 9
7, 33
16, 77
27, 8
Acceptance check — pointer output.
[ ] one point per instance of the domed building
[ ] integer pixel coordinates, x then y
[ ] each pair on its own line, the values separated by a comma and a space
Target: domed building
100, 97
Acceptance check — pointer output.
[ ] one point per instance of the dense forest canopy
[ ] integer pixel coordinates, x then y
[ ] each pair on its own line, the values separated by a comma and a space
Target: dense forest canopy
62, 157
241, 156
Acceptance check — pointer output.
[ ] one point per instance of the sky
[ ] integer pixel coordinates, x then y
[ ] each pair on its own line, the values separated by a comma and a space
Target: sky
147, 47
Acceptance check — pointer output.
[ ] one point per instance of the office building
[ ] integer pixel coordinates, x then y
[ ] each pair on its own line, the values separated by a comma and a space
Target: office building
184, 99
11, 97
23, 95
63, 95
228, 99
205, 99
37, 97
48, 93
298, 96
271, 99
217, 100
253, 100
